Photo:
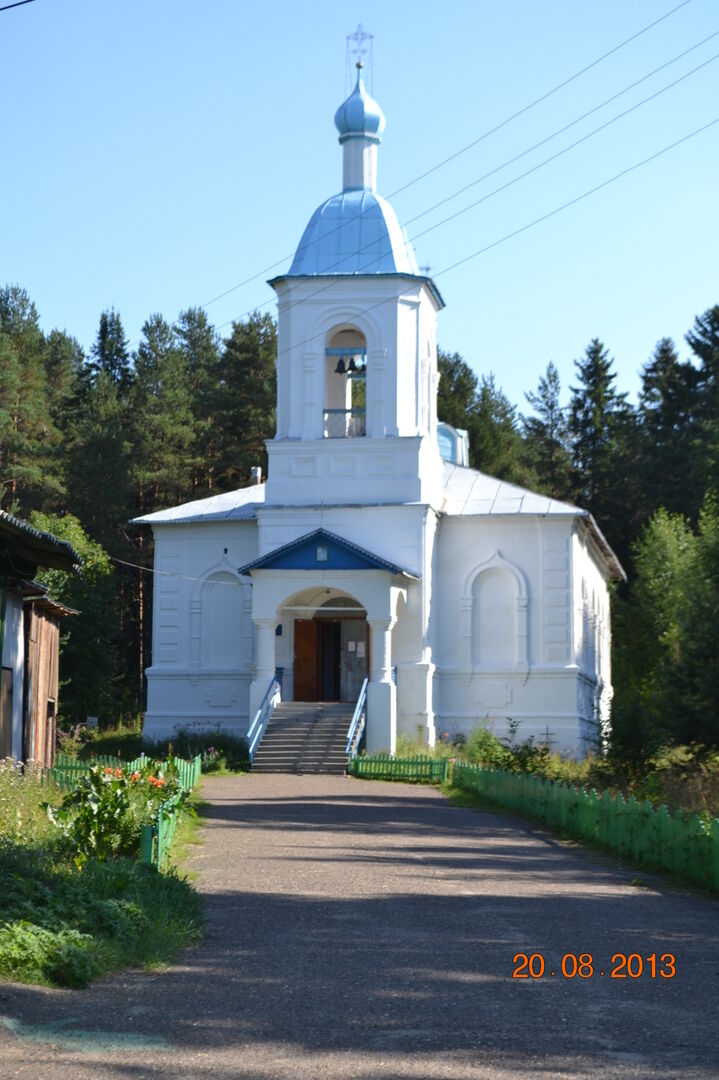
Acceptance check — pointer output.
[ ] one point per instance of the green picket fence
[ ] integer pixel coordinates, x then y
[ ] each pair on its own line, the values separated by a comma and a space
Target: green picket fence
682, 844
156, 839
67, 770
383, 767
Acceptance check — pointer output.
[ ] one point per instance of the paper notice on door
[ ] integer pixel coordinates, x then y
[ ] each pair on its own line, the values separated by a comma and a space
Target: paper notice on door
360, 649
351, 646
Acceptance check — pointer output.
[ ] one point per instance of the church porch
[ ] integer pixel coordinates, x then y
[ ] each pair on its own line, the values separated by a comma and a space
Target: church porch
323, 633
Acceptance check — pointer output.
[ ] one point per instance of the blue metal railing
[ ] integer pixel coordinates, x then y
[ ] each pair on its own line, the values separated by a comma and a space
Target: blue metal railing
262, 717
359, 719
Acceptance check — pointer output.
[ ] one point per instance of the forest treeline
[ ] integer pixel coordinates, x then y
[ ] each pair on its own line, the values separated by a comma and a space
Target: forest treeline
87, 442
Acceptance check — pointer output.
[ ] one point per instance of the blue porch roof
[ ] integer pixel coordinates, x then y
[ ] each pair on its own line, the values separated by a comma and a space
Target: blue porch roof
322, 550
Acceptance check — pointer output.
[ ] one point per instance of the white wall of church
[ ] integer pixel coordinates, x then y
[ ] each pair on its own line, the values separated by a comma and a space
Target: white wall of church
505, 633
401, 372
202, 627
591, 637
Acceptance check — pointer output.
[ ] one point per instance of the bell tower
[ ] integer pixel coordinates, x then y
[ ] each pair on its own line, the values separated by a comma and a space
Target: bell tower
357, 357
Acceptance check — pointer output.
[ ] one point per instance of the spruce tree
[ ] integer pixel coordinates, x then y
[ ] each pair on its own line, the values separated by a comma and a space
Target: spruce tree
667, 418
703, 339
546, 436
481, 408
110, 352
604, 447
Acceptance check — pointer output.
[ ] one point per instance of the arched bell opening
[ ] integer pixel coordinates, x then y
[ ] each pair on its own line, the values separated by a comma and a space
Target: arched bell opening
345, 384
329, 645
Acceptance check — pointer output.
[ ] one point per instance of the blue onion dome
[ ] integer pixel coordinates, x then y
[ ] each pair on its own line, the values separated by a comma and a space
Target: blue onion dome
359, 115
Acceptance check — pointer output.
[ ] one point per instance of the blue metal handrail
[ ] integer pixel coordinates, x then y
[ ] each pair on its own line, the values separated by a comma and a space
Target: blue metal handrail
359, 719
262, 717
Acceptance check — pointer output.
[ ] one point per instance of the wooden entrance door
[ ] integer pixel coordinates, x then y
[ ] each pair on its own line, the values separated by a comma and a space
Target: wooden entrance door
317, 660
306, 660
329, 635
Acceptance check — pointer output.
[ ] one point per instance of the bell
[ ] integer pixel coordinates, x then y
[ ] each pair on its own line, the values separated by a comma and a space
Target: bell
340, 369
352, 366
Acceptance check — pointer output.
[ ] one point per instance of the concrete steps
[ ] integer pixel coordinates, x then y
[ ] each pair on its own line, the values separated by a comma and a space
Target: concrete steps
305, 737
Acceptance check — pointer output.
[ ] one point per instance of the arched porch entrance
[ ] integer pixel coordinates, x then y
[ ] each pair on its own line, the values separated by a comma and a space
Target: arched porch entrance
330, 645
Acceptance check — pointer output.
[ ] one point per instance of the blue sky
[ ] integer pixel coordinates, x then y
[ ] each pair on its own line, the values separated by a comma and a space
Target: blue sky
158, 153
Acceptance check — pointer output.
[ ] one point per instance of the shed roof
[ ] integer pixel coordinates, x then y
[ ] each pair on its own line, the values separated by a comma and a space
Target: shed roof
34, 546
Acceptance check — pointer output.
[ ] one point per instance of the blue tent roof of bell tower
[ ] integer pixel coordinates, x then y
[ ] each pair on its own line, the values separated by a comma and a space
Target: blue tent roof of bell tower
355, 232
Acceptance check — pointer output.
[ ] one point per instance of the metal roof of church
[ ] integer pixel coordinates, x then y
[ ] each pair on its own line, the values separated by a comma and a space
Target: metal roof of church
232, 506
465, 493
469, 493
355, 232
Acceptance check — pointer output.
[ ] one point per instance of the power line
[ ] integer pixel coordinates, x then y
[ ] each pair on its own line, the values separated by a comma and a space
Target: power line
578, 119
475, 142
539, 100
19, 3
536, 221
553, 157
514, 180
170, 573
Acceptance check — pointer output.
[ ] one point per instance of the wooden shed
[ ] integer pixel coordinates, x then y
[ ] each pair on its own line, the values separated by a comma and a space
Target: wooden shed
29, 639
42, 616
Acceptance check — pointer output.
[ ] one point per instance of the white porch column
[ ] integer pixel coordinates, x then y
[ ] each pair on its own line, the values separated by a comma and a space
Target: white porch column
264, 661
381, 692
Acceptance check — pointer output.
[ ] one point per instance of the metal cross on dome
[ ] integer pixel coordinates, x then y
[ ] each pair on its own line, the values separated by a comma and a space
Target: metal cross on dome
357, 50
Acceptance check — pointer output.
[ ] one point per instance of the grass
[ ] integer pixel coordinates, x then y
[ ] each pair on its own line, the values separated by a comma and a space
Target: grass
221, 751
62, 926
684, 778
188, 832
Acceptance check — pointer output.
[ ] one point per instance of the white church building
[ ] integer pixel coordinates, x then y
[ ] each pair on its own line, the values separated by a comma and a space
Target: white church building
372, 551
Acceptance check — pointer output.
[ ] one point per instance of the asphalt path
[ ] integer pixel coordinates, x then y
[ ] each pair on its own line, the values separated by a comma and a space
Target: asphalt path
369, 930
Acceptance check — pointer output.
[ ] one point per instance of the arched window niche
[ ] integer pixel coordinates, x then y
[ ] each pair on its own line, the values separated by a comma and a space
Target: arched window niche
495, 602
345, 411
220, 620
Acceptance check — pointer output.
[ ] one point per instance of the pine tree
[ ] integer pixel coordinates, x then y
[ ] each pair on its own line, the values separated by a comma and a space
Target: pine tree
546, 436
200, 346
9, 395
30, 478
163, 424
244, 411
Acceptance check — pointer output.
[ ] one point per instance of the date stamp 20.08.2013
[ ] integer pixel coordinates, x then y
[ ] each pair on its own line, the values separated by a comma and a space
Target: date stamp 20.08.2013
587, 966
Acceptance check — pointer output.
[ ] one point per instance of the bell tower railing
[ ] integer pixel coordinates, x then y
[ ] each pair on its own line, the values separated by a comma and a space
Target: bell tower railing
344, 423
